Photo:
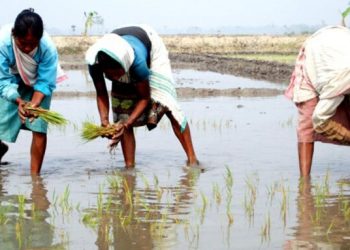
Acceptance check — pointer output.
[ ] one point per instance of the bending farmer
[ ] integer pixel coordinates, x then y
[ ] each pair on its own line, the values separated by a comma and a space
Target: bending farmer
28, 69
136, 61
319, 87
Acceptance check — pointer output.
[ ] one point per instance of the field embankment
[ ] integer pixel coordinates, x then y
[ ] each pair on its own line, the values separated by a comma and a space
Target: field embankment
259, 57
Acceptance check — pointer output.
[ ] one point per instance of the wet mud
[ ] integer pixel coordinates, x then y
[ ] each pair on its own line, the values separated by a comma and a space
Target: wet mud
186, 92
253, 69
259, 70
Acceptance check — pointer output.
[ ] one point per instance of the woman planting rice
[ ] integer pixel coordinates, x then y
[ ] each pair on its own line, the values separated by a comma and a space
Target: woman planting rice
28, 72
320, 87
136, 61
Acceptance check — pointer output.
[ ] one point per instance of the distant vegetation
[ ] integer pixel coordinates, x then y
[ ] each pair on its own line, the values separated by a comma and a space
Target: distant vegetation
281, 49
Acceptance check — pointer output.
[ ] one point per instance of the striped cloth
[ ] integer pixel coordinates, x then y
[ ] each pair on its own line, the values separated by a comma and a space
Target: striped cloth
27, 67
161, 78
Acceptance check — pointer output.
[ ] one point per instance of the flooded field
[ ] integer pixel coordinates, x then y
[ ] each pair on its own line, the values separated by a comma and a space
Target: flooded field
249, 197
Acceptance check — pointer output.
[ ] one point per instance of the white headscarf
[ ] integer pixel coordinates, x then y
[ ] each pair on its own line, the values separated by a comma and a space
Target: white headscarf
114, 46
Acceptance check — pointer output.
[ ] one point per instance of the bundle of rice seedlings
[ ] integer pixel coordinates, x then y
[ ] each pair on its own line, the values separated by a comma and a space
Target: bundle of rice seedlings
49, 116
91, 131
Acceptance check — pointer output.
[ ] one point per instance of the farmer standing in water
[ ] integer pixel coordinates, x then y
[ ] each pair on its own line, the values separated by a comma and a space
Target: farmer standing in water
28, 71
136, 60
320, 88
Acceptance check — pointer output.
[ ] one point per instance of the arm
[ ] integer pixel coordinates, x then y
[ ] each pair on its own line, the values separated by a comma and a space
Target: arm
144, 93
101, 93
8, 81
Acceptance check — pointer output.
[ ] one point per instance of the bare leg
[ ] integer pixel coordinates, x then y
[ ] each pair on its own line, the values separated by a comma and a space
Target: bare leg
37, 152
128, 146
305, 151
185, 140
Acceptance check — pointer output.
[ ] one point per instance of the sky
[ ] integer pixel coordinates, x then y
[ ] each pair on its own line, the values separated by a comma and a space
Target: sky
59, 16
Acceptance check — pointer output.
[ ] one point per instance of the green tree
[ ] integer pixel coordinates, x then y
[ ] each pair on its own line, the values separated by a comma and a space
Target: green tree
344, 14
91, 18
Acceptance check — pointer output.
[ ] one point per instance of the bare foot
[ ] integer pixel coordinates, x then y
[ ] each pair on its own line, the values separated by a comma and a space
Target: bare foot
195, 165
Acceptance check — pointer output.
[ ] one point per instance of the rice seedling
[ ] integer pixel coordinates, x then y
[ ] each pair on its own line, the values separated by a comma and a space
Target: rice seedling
21, 205
91, 131
159, 192
34, 213
229, 178
320, 195
216, 193
265, 229
114, 181
156, 180
51, 117
100, 201
249, 206
230, 217
271, 191
345, 208
330, 227
63, 201
284, 203
250, 196
19, 233
145, 181
341, 191
54, 198
128, 194
3, 217
90, 220
204, 206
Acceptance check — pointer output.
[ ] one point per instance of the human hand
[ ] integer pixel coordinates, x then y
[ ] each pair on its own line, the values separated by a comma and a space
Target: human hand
29, 112
22, 112
118, 130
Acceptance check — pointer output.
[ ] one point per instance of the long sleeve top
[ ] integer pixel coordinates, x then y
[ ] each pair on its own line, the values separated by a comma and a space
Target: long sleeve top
46, 57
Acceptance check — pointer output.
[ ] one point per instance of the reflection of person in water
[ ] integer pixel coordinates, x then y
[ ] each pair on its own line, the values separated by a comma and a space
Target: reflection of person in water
133, 218
320, 87
319, 226
32, 231
136, 61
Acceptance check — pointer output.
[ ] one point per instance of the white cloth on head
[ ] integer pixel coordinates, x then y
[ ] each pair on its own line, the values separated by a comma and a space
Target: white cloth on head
114, 46
161, 80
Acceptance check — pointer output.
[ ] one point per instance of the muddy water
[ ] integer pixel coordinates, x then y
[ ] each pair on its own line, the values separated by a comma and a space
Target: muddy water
249, 197
80, 81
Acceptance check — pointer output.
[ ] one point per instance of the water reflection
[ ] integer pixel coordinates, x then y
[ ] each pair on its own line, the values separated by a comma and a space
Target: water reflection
323, 219
141, 216
25, 225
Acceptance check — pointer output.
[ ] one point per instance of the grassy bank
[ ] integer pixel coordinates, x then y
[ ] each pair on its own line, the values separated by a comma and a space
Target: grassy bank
281, 49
